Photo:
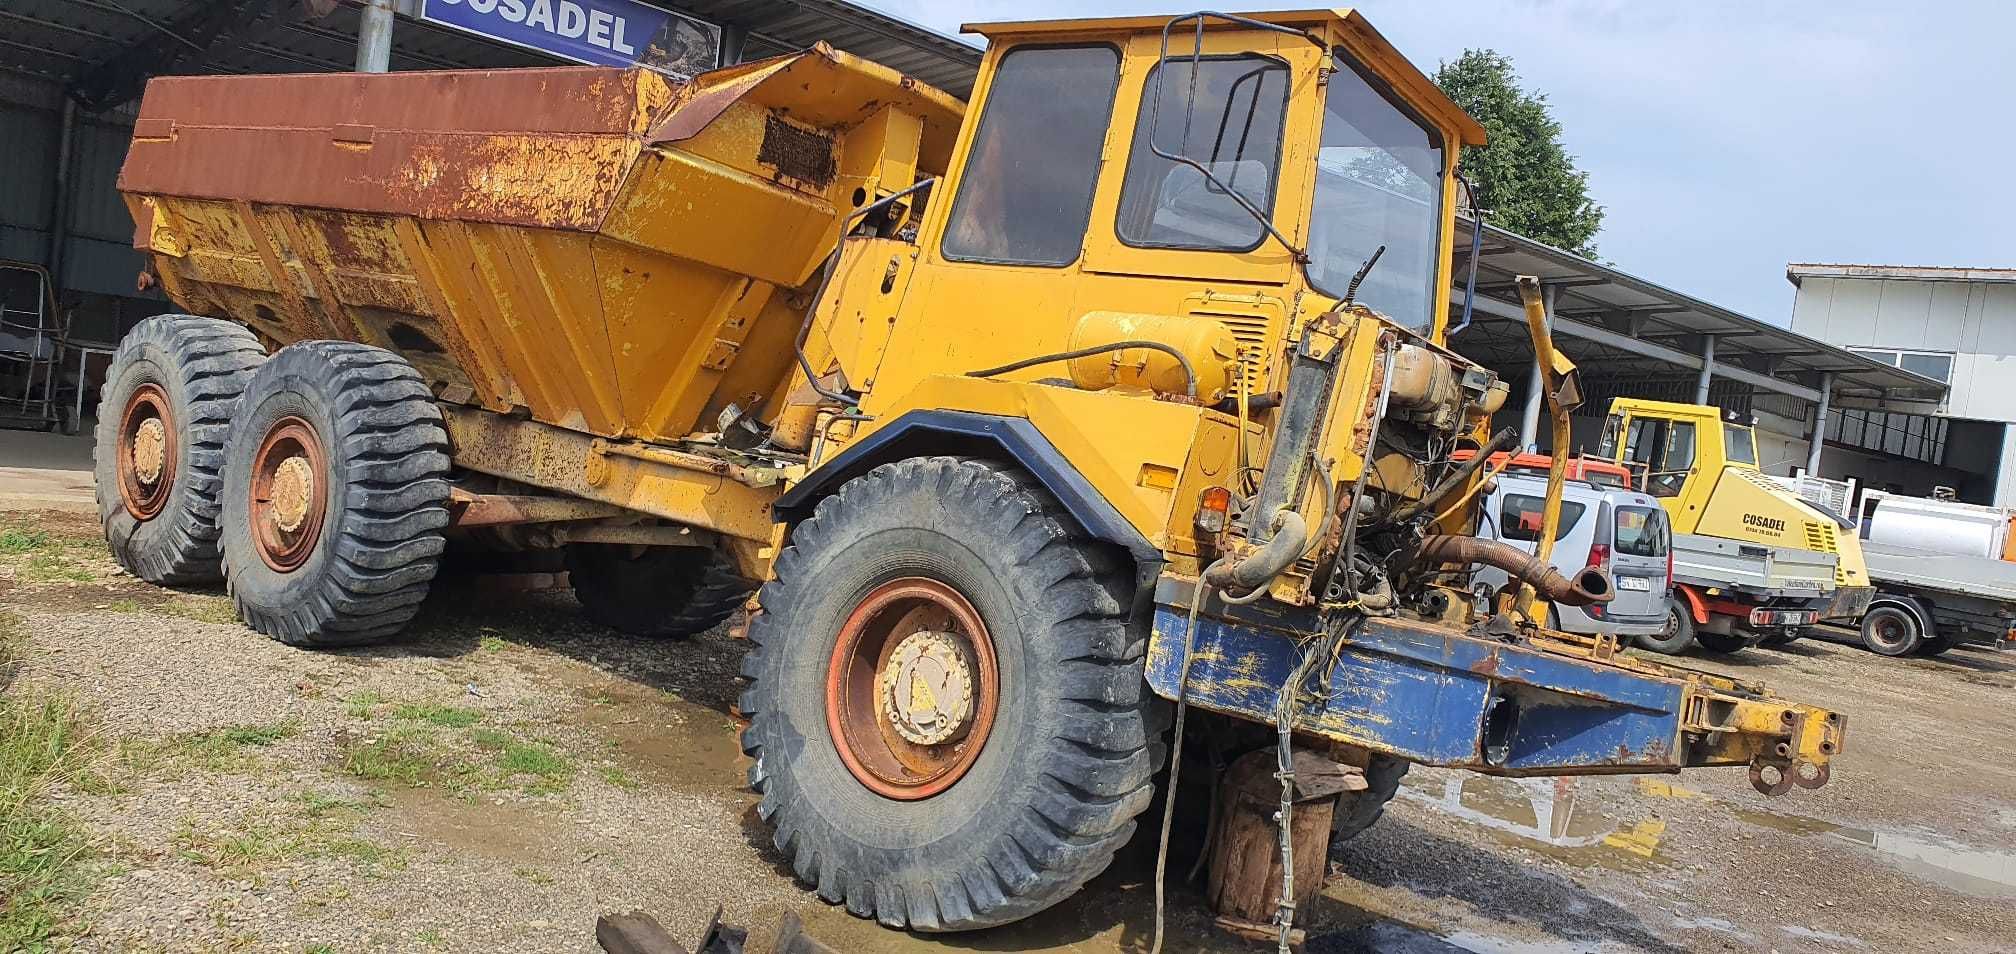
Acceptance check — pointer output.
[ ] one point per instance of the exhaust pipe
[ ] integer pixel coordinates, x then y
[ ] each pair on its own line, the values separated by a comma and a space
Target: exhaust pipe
1586, 587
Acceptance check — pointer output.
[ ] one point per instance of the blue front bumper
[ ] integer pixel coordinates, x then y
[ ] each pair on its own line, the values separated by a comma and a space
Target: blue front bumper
1430, 695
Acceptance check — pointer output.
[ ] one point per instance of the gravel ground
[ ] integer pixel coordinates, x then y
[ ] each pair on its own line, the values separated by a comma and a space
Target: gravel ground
507, 772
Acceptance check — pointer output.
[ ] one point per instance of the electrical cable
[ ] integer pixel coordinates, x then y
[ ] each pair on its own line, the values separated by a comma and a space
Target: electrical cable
1189, 370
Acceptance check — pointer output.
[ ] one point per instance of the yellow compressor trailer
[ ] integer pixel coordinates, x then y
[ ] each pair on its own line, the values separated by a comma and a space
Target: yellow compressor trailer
1125, 386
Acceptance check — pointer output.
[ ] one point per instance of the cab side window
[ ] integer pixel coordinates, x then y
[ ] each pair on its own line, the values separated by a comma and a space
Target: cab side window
1026, 194
1232, 127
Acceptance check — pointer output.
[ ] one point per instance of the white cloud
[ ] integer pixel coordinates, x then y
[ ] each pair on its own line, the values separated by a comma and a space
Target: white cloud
1728, 138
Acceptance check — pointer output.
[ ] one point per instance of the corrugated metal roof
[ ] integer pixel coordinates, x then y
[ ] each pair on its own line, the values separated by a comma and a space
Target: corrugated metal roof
1916, 273
1627, 306
65, 40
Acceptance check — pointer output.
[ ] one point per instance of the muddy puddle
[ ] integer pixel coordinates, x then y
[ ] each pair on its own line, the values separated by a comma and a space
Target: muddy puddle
1552, 816
1392, 937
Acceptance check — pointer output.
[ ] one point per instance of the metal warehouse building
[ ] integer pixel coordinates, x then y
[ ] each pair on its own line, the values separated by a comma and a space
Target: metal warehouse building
1956, 326
71, 72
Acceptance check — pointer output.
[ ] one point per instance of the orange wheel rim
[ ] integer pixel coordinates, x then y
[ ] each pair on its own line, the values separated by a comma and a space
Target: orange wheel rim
289, 494
146, 448
912, 688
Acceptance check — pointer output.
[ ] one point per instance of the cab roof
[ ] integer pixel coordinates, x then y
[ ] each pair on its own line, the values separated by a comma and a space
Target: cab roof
1357, 35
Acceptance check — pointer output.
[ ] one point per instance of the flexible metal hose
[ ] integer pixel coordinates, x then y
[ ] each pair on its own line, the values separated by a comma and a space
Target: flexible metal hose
1588, 586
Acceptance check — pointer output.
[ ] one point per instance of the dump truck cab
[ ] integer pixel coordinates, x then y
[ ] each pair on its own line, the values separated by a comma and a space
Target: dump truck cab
1701, 462
1121, 182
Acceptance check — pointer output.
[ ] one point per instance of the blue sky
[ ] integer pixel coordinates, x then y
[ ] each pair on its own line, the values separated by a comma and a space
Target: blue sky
1726, 139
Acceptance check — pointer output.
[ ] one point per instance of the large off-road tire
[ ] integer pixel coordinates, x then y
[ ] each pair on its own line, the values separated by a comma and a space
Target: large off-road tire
1356, 811
335, 494
1891, 630
1035, 786
666, 592
1678, 634
162, 418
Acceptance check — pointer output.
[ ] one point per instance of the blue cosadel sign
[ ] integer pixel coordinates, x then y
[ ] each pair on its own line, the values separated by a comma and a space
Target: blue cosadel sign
602, 32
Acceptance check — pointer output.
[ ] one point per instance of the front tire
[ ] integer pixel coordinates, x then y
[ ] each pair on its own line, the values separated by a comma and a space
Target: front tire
335, 494
1031, 790
163, 416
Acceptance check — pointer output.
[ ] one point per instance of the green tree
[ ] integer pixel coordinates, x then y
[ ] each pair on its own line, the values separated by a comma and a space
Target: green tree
1525, 180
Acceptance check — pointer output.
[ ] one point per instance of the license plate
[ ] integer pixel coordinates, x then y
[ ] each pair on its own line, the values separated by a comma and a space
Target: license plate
1642, 584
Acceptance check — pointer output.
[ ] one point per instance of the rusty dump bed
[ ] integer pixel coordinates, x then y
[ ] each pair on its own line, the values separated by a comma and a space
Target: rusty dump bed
597, 248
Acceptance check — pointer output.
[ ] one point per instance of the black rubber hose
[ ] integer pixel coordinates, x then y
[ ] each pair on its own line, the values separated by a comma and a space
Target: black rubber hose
1189, 370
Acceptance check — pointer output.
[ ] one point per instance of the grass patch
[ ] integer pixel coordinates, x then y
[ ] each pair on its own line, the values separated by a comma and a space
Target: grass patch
361, 704
430, 747
15, 540
448, 717
43, 742
492, 644
615, 776
408, 758
532, 758
44, 556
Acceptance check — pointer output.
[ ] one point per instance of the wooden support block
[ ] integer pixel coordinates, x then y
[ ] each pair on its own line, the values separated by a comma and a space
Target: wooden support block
1245, 874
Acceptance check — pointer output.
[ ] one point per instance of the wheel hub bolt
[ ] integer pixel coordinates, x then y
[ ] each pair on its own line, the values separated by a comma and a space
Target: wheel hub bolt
926, 688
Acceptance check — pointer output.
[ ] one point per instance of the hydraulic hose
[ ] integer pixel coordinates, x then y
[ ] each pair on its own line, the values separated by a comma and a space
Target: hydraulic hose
1588, 586
1291, 536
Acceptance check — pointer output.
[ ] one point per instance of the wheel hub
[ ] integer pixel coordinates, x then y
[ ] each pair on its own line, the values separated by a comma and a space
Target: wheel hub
288, 496
927, 688
293, 489
150, 444
911, 688
145, 452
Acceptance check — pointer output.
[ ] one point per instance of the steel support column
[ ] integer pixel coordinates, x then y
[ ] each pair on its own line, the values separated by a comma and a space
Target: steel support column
1529, 422
59, 203
1819, 435
1707, 375
734, 38
374, 36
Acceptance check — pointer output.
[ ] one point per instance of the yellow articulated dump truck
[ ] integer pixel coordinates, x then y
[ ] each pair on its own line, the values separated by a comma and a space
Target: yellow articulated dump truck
1752, 562
1027, 431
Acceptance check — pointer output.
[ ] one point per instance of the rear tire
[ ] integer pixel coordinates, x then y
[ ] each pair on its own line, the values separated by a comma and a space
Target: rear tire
662, 592
1058, 778
1725, 644
186, 373
1356, 811
1678, 634
1891, 631
337, 541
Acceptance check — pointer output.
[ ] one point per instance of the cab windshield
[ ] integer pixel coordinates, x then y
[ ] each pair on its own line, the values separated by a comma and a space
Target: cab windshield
1378, 182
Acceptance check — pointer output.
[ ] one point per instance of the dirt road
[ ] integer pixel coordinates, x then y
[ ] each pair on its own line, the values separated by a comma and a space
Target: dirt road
507, 772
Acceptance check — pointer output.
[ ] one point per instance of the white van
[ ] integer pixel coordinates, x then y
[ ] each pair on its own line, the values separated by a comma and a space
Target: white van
1623, 531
